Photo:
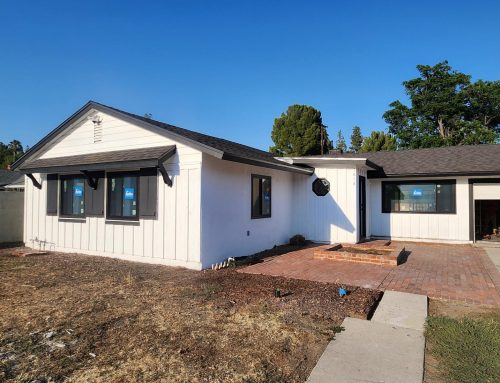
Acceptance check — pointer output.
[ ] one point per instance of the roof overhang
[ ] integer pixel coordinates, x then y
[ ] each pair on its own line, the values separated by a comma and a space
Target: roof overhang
285, 166
317, 161
113, 160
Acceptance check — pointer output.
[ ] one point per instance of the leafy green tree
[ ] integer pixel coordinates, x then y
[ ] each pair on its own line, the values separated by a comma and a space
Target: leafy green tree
298, 132
356, 139
340, 143
10, 153
446, 109
377, 141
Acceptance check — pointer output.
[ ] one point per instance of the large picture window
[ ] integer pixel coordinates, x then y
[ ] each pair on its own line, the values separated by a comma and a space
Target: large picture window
72, 196
123, 196
261, 196
419, 197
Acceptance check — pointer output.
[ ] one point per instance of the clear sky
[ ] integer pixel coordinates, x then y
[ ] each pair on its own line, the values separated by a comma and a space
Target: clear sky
228, 68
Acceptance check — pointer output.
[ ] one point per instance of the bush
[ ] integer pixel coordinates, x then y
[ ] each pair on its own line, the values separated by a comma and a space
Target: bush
298, 240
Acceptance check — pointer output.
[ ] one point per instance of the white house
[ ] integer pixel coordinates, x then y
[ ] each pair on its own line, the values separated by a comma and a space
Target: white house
108, 182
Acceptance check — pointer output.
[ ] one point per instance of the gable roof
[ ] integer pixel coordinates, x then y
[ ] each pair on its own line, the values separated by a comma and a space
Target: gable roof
218, 147
8, 177
443, 161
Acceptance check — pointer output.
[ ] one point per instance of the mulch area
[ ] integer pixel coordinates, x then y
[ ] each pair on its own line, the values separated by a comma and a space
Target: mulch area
66, 317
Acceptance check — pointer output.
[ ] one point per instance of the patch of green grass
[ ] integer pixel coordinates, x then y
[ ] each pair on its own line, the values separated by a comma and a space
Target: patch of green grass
467, 350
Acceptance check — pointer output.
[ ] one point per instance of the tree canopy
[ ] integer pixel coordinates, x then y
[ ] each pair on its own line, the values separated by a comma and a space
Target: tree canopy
10, 152
297, 132
356, 139
340, 143
377, 141
446, 108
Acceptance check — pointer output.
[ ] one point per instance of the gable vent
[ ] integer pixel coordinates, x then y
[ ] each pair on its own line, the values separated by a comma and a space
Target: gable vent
97, 121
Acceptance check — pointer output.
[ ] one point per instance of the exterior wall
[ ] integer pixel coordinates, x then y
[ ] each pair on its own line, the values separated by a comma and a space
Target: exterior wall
173, 238
12, 214
117, 134
418, 226
334, 217
226, 210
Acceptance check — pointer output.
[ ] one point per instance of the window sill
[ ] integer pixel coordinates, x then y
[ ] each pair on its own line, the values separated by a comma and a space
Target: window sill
114, 221
72, 219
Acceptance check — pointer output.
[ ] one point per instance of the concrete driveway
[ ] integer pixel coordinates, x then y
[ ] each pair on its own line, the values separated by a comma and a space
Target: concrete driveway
452, 272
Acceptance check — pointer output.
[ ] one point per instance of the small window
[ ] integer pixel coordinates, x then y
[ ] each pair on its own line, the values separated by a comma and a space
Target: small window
72, 196
122, 196
261, 196
419, 197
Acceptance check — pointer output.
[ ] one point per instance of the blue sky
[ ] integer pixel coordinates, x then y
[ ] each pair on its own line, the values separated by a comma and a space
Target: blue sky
228, 68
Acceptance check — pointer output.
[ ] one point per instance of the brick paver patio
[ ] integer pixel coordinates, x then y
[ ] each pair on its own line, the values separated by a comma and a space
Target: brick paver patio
453, 272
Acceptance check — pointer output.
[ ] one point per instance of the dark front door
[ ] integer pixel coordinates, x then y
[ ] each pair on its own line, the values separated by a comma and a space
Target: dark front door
362, 207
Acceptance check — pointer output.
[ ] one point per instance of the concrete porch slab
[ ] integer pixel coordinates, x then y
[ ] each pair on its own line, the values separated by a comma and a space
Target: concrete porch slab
369, 351
402, 309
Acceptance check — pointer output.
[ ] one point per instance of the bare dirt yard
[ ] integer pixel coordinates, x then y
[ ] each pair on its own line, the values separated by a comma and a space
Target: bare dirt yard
76, 318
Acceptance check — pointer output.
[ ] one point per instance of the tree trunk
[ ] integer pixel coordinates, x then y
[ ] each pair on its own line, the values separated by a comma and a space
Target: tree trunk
443, 131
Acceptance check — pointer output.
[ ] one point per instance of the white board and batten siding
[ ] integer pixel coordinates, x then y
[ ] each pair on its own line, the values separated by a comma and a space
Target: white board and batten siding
419, 226
173, 238
331, 218
228, 229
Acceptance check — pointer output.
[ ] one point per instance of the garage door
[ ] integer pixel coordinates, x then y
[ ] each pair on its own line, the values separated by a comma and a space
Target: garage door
486, 191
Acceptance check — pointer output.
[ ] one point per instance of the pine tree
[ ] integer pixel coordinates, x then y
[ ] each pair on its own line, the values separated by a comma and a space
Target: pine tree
356, 139
340, 144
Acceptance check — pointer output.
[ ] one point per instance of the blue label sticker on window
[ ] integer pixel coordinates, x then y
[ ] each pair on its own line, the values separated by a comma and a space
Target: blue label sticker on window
78, 190
418, 193
129, 193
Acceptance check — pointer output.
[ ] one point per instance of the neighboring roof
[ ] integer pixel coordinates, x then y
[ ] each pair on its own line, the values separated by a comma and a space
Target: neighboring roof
118, 159
443, 161
8, 177
219, 147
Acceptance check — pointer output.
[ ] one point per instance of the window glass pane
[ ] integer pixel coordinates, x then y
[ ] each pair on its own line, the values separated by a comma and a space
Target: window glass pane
432, 197
256, 197
129, 196
72, 196
78, 197
266, 196
445, 198
417, 198
122, 196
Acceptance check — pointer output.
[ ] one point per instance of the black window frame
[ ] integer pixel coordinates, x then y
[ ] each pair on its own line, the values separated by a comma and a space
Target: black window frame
62, 178
452, 182
122, 174
260, 178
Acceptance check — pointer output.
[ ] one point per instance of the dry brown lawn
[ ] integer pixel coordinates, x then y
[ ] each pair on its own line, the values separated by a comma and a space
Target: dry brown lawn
76, 318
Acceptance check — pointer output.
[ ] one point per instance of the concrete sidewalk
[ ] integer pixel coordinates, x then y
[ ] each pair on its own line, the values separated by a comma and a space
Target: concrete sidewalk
388, 349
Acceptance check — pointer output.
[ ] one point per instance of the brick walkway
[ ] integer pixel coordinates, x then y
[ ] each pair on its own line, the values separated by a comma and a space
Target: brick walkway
453, 272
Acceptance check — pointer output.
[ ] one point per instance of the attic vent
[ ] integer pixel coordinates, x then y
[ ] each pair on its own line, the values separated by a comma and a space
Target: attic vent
97, 121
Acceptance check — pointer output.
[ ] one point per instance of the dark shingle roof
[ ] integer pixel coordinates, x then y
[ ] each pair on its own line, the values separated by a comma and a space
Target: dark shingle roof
224, 149
233, 151
141, 157
449, 160
8, 177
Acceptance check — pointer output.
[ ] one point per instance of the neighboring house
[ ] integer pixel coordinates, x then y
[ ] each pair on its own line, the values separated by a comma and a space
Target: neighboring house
11, 206
10, 180
108, 182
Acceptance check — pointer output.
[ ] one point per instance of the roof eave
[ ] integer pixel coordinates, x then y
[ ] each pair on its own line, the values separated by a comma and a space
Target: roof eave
270, 165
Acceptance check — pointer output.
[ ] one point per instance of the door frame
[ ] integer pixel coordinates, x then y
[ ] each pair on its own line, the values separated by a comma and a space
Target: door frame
362, 207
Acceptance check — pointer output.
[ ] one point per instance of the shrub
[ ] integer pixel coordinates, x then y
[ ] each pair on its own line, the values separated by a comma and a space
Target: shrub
298, 240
